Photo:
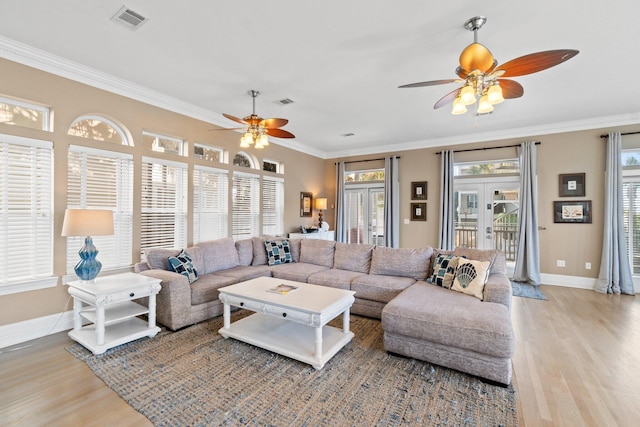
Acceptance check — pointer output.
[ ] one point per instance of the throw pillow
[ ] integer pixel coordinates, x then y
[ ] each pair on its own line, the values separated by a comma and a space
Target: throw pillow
471, 276
278, 252
183, 264
444, 270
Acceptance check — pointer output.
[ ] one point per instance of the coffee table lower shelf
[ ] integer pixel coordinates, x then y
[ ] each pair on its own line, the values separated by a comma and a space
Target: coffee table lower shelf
287, 338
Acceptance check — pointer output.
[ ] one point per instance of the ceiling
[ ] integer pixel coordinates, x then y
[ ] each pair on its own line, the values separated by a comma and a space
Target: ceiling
341, 62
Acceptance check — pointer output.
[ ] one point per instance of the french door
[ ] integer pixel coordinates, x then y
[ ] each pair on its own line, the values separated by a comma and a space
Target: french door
364, 214
486, 214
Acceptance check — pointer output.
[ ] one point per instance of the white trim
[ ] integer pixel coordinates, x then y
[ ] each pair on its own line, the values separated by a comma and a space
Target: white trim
172, 163
16, 333
29, 142
99, 152
32, 285
568, 281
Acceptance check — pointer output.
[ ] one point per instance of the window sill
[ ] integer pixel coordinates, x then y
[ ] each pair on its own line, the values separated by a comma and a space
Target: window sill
32, 285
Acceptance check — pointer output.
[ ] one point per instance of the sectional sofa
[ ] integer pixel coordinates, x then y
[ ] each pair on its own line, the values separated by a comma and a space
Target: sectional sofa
419, 319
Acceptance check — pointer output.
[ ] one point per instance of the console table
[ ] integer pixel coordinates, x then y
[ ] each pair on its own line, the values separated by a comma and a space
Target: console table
321, 235
108, 305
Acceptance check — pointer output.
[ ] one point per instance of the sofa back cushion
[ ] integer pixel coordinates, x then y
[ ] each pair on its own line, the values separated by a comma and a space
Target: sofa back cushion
260, 256
317, 251
353, 257
497, 259
219, 255
402, 262
158, 258
245, 251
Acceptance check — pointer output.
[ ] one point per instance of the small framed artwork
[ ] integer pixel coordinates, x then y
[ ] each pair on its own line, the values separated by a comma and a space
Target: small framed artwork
572, 212
418, 211
419, 190
572, 185
305, 204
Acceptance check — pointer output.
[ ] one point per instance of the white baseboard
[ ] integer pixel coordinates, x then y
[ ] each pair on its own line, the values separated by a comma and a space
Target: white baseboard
568, 281
16, 333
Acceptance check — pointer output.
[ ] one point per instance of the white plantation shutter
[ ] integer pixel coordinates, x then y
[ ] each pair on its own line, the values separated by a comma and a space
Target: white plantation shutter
210, 204
631, 208
164, 204
272, 206
26, 212
100, 179
246, 205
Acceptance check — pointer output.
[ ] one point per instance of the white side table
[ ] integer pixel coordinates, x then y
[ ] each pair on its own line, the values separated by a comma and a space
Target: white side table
320, 235
108, 305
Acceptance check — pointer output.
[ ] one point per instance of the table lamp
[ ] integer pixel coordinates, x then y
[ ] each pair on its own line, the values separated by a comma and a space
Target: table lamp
321, 204
87, 222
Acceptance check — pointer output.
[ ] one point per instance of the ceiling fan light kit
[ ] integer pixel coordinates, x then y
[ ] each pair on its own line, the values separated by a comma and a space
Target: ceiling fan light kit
483, 80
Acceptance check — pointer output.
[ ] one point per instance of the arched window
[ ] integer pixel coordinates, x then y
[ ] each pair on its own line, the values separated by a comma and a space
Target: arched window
100, 129
243, 160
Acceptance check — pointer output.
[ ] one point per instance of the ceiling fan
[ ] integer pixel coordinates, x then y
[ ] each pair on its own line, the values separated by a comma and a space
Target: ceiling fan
258, 128
483, 79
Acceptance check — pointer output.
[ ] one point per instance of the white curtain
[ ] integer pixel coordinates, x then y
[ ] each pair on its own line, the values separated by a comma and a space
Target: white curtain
446, 238
391, 202
527, 267
615, 273
340, 212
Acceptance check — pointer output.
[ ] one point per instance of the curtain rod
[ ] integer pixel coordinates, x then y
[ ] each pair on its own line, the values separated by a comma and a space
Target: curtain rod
486, 148
368, 160
627, 133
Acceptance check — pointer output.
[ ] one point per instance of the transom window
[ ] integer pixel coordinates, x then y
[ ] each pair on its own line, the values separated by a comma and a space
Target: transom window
271, 166
98, 128
20, 113
494, 167
373, 175
243, 160
205, 152
163, 143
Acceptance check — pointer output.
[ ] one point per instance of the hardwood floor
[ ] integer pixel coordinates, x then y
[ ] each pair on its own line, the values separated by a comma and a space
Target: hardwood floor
577, 363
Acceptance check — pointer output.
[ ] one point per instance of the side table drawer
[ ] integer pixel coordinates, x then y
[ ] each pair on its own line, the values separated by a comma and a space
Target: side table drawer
127, 295
273, 310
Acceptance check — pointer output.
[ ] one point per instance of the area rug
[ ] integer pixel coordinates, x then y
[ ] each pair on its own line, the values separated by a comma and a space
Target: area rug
194, 377
527, 290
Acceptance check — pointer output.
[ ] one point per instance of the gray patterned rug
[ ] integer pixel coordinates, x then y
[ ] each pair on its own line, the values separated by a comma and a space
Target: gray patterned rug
194, 377
527, 290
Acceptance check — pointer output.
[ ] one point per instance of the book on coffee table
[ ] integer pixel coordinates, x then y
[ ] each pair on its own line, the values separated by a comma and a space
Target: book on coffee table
283, 289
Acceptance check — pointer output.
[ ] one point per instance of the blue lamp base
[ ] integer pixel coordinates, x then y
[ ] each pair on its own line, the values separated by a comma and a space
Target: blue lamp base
88, 267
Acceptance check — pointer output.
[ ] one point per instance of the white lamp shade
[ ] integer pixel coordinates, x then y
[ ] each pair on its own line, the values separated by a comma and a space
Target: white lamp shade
321, 203
87, 222
484, 106
458, 107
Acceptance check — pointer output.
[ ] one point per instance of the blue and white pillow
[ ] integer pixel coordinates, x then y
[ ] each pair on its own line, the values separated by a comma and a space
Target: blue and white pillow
278, 252
444, 270
183, 264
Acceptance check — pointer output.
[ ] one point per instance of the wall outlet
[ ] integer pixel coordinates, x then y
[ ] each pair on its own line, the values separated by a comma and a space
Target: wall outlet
587, 265
560, 263
406, 221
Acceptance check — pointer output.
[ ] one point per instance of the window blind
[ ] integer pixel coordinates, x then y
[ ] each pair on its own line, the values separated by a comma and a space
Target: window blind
100, 179
272, 206
210, 204
163, 219
26, 209
246, 205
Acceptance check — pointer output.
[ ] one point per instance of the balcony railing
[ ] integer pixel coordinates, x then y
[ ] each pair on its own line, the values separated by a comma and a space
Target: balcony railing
503, 235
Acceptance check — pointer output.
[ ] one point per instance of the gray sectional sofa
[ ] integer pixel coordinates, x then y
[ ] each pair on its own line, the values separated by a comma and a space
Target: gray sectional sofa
419, 319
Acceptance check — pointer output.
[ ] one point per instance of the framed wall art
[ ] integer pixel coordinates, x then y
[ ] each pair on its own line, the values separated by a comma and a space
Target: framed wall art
305, 204
418, 211
572, 212
572, 185
419, 190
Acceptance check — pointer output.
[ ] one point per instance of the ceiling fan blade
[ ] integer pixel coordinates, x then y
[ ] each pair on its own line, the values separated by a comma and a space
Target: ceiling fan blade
273, 123
211, 130
235, 119
511, 89
447, 99
430, 83
535, 62
280, 133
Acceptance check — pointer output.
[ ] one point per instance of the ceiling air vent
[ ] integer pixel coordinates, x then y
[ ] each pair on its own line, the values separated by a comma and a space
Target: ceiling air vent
285, 101
129, 18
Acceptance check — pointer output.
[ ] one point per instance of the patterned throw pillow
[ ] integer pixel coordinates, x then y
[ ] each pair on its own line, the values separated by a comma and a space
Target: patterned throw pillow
471, 276
183, 264
278, 252
444, 270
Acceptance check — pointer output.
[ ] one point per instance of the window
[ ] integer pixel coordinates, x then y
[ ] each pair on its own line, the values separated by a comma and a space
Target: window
487, 168
26, 212
18, 113
207, 153
272, 206
99, 129
99, 179
163, 143
246, 205
164, 204
270, 166
210, 204
365, 176
243, 160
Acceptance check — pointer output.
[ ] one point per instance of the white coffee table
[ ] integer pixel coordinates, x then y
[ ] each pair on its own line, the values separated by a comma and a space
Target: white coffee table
293, 325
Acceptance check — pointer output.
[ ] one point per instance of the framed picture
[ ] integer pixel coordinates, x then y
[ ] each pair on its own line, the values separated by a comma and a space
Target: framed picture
572, 185
419, 190
305, 204
418, 211
572, 212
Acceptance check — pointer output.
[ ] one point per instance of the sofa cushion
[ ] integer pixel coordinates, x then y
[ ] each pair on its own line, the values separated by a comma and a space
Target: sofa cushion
334, 278
219, 254
353, 257
245, 251
380, 288
245, 272
158, 258
318, 252
205, 289
471, 275
182, 264
278, 252
444, 270
403, 262
298, 271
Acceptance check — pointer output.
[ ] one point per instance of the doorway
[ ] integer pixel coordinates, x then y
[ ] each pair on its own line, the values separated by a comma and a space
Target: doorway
364, 214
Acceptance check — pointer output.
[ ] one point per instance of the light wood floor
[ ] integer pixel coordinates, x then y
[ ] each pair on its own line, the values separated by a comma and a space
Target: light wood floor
577, 363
